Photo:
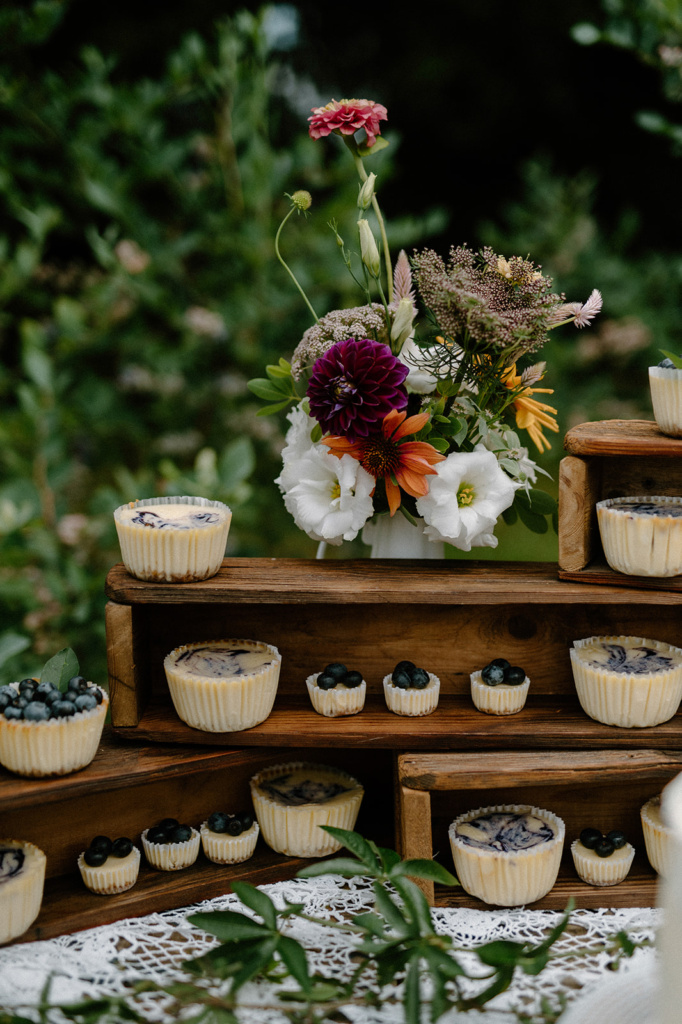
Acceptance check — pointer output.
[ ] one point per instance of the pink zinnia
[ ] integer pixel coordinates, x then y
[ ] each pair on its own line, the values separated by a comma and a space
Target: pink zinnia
347, 117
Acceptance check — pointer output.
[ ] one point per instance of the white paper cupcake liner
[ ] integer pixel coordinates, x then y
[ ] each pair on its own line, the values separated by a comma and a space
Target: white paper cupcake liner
340, 701
412, 702
508, 879
172, 856
168, 555
624, 699
641, 545
657, 837
117, 874
602, 870
22, 896
55, 747
295, 830
666, 397
224, 849
224, 705
498, 700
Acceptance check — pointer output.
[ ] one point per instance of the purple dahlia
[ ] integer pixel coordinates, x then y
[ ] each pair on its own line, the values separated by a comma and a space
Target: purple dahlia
354, 385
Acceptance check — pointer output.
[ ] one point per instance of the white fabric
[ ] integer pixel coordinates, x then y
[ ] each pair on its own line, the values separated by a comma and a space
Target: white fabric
106, 960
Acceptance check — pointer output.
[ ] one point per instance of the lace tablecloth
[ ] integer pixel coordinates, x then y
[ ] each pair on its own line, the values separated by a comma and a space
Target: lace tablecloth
106, 959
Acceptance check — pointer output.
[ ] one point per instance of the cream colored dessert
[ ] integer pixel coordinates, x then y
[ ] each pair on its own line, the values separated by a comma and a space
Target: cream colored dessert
507, 855
173, 540
56, 746
502, 699
292, 801
666, 398
596, 870
172, 856
642, 536
223, 685
337, 702
657, 836
117, 874
627, 680
221, 848
22, 877
412, 702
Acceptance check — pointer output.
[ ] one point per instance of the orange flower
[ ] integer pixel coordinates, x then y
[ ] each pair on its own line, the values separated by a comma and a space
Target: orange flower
400, 463
531, 415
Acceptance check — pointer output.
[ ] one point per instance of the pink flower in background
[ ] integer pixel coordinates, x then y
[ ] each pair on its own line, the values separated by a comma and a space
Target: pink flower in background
347, 117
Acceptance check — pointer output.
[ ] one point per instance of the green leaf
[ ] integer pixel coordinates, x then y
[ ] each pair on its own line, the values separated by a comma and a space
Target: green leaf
439, 443
677, 360
541, 502
60, 668
510, 515
425, 869
258, 901
536, 523
266, 389
337, 866
500, 952
389, 911
371, 923
379, 143
316, 433
356, 844
389, 858
277, 372
268, 410
228, 925
411, 996
254, 961
294, 958
416, 904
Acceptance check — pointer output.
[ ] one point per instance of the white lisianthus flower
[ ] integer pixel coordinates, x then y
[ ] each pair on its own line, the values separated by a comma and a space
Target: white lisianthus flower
329, 498
298, 435
466, 496
418, 380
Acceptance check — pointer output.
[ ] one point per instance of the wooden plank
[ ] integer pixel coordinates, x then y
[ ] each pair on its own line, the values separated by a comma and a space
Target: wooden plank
415, 840
578, 486
624, 438
599, 574
126, 683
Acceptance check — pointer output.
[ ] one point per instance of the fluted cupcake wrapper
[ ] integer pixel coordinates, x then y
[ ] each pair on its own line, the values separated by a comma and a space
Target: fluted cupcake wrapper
341, 700
21, 897
225, 849
55, 747
641, 545
411, 702
622, 698
666, 397
172, 856
602, 870
114, 876
657, 837
498, 700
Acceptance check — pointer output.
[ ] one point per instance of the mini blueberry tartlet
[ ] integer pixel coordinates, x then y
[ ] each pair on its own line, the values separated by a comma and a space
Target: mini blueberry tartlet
602, 859
22, 877
223, 685
507, 855
642, 536
665, 382
500, 688
229, 838
657, 836
411, 691
173, 540
337, 691
627, 681
293, 800
109, 866
171, 846
51, 726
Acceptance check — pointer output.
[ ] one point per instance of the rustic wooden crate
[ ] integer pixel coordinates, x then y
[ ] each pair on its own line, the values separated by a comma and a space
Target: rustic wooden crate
601, 788
450, 617
611, 459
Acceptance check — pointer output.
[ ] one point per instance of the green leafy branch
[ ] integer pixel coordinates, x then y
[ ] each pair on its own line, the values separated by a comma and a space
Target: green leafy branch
278, 388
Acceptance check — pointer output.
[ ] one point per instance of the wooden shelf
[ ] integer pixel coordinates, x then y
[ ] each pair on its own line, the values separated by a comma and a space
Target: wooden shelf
622, 439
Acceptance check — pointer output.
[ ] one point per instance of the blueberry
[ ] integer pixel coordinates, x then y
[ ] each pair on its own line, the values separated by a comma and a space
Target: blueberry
156, 834
407, 667
514, 675
493, 673
218, 822
401, 680
235, 827
246, 819
25, 683
8, 691
95, 692
589, 837
44, 690
85, 702
13, 713
19, 702
667, 364
604, 847
617, 838
121, 847
52, 697
420, 679
28, 693
78, 684
64, 708
168, 823
102, 844
352, 680
5, 701
36, 712
179, 834
336, 670
95, 858
326, 682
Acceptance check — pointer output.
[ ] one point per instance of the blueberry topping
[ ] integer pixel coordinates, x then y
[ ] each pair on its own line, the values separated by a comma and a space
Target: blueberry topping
235, 827
63, 708
179, 834
589, 837
617, 837
218, 822
352, 680
405, 666
121, 847
28, 694
246, 820
36, 712
5, 701
336, 670
77, 684
401, 680
95, 692
13, 713
156, 834
493, 673
102, 844
85, 702
19, 702
514, 676
44, 690
420, 679
667, 364
8, 691
604, 847
25, 683
325, 681
168, 823
95, 858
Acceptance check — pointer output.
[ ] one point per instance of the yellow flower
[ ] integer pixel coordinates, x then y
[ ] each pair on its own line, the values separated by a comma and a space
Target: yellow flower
531, 415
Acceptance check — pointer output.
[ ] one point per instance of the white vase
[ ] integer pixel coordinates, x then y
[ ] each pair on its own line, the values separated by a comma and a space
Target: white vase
396, 537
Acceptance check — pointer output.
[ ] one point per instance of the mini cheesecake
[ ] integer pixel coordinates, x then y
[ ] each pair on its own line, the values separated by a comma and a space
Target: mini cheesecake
338, 701
292, 801
642, 536
171, 856
596, 870
657, 836
627, 681
221, 848
117, 874
22, 877
414, 703
501, 699
507, 855
173, 540
665, 383
223, 685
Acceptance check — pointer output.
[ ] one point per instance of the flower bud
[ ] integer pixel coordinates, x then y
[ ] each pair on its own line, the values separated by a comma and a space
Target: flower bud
366, 193
368, 249
302, 200
401, 327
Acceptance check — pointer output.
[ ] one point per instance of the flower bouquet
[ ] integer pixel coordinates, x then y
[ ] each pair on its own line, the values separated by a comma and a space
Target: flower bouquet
405, 422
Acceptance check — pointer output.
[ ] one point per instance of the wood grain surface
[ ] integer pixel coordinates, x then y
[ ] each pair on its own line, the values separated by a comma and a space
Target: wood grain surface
625, 438
599, 574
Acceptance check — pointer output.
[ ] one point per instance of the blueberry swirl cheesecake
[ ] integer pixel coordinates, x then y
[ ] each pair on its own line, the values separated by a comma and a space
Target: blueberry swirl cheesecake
293, 800
665, 382
627, 681
336, 691
109, 866
642, 536
171, 845
229, 838
411, 691
22, 878
602, 859
173, 540
223, 685
499, 688
658, 840
507, 855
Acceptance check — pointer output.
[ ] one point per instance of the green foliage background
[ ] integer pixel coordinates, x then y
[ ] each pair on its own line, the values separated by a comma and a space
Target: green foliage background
138, 293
